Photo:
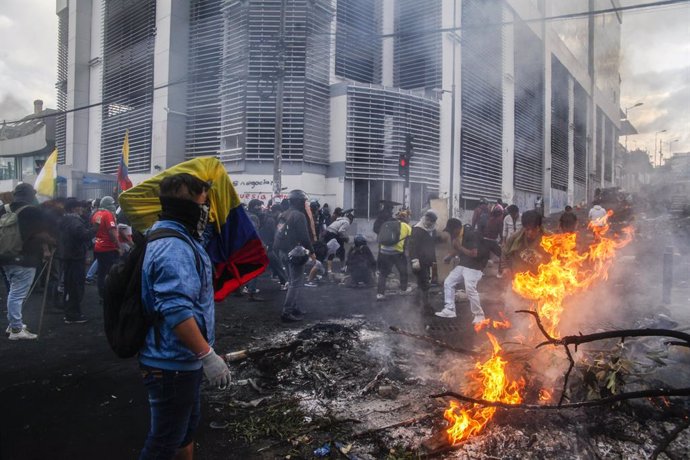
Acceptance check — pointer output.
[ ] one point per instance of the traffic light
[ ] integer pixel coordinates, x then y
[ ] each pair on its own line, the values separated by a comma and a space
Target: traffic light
409, 150
404, 166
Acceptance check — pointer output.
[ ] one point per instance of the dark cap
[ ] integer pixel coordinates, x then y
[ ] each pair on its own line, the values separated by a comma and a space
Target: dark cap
453, 224
24, 192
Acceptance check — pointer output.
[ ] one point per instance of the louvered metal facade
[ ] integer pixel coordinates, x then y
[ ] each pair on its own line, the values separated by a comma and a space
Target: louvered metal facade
529, 110
61, 84
203, 80
378, 121
559, 125
357, 46
128, 51
252, 49
580, 135
418, 54
481, 166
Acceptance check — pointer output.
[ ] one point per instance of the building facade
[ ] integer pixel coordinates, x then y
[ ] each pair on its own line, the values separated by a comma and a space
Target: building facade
500, 98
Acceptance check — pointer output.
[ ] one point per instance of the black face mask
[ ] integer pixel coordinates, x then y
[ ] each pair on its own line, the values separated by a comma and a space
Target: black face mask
192, 215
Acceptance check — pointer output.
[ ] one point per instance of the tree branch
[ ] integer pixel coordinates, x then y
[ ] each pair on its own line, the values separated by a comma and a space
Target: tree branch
662, 392
622, 334
669, 439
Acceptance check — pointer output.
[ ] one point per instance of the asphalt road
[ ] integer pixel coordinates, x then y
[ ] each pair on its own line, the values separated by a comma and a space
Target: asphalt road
67, 395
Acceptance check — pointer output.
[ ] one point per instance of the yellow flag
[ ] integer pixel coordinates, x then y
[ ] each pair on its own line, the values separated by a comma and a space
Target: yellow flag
45, 182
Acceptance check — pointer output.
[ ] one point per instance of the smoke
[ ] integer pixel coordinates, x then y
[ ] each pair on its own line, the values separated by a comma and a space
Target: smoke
12, 108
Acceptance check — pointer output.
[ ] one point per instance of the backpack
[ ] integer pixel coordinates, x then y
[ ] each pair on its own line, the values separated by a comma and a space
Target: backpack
125, 319
389, 233
10, 239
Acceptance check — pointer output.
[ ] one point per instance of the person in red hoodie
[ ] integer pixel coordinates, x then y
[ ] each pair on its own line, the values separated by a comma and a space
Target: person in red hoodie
106, 249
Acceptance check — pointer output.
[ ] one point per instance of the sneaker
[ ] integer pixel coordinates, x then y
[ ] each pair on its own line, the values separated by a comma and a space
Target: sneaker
9, 328
478, 319
290, 318
78, 320
499, 275
284, 286
446, 313
245, 290
406, 291
24, 334
380, 297
310, 284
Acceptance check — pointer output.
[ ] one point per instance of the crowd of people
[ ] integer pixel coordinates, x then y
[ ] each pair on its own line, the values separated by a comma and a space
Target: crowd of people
56, 237
302, 240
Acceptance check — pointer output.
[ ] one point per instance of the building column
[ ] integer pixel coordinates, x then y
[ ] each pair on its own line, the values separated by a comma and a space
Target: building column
571, 140
508, 141
78, 56
170, 67
546, 184
388, 43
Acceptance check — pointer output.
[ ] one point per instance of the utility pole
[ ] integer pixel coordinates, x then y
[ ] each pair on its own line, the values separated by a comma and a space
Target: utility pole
451, 196
278, 155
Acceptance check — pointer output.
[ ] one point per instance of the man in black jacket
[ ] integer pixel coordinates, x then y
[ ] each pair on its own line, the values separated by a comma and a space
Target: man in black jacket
422, 249
75, 236
292, 232
21, 268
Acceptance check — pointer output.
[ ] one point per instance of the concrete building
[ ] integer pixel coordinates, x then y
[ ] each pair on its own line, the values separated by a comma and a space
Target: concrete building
499, 99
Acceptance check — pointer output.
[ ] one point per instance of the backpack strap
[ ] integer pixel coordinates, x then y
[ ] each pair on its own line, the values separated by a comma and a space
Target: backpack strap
160, 234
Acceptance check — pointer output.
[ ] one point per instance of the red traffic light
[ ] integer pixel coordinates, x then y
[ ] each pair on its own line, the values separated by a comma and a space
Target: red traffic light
403, 162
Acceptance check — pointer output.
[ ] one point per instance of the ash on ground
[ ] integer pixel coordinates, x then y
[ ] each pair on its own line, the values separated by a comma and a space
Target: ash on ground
343, 389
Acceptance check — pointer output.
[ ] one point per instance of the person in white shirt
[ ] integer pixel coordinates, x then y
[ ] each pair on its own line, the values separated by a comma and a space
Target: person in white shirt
511, 224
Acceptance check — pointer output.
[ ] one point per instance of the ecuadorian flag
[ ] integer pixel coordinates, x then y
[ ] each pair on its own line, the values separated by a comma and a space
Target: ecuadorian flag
235, 247
122, 172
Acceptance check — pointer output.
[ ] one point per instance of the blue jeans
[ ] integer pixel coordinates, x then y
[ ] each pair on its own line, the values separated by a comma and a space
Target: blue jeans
174, 399
20, 279
93, 270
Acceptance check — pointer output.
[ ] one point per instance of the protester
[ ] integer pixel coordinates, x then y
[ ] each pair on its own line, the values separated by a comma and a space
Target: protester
567, 223
491, 232
177, 287
107, 245
422, 250
598, 216
384, 215
250, 288
480, 216
511, 224
53, 211
292, 233
267, 233
392, 254
360, 263
75, 238
522, 250
26, 244
466, 246
338, 231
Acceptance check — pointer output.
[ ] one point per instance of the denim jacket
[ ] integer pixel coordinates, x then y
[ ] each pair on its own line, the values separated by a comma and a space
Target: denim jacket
173, 288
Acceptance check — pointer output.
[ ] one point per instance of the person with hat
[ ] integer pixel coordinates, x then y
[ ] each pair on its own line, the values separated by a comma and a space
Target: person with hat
338, 231
360, 263
29, 246
106, 249
466, 247
393, 254
423, 253
75, 237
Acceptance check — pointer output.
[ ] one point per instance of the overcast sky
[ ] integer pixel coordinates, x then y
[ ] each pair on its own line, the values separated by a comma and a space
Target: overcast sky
655, 68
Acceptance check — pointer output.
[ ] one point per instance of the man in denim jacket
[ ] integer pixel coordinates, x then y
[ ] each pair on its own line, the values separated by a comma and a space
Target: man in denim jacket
177, 288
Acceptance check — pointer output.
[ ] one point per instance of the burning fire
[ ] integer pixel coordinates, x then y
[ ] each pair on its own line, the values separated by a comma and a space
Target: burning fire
566, 273
488, 322
497, 387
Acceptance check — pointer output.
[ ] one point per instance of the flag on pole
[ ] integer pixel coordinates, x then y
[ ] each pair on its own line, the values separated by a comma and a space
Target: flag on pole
234, 246
45, 181
122, 172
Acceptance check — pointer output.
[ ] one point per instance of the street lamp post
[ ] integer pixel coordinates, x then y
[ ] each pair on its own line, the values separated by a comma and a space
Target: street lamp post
656, 149
626, 119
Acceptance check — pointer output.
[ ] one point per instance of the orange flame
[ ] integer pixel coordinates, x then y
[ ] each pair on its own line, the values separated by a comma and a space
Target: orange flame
488, 322
466, 422
568, 271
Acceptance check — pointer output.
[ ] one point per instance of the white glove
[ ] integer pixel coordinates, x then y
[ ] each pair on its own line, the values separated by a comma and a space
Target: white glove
416, 265
216, 370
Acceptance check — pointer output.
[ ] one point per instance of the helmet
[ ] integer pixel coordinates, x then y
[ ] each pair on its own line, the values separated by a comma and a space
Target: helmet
314, 204
298, 256
297, 195
360, 240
